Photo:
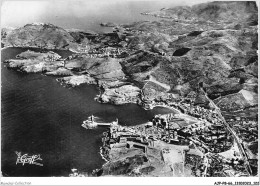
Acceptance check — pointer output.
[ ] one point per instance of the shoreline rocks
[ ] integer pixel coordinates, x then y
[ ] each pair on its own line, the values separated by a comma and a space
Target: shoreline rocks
34, 62
60, 72
76, 80
121, 95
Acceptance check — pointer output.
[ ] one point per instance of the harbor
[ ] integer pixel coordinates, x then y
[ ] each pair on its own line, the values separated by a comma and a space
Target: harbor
180, 141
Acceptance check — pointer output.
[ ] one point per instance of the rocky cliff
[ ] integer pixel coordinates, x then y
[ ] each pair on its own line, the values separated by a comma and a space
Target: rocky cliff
33, 62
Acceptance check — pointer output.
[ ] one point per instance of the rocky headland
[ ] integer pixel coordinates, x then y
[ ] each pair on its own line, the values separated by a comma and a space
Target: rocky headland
33, 62
41, 35
193, 55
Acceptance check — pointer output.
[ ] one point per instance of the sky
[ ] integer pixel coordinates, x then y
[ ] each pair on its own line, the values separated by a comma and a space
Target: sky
66, 13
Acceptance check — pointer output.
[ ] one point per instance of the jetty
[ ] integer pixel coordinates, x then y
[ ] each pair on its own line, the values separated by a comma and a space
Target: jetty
90, 123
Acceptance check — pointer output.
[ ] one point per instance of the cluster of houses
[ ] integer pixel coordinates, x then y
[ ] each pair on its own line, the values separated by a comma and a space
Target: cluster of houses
106, 52
221, 166
51, 58
206, 137
142, 136
211, 137
247, 130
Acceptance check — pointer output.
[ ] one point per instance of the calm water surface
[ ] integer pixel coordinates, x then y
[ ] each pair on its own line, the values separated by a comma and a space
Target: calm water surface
39, 116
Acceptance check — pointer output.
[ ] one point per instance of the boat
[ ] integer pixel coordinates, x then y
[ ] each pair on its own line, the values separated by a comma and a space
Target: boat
90, 123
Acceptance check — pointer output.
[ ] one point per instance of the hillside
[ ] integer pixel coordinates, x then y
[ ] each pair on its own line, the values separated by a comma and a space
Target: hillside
226, 11
213, 45
40, 35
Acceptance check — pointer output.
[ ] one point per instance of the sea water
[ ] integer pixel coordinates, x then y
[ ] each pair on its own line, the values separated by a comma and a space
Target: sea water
39, 116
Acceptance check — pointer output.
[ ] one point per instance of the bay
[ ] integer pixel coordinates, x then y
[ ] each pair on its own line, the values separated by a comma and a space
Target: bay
39, 116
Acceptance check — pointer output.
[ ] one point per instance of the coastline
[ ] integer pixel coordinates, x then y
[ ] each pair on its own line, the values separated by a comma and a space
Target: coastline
2, 48
168, 107
32, 47
181, 115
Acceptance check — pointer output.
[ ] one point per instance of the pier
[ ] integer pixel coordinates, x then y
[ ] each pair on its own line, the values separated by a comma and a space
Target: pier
90, 123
